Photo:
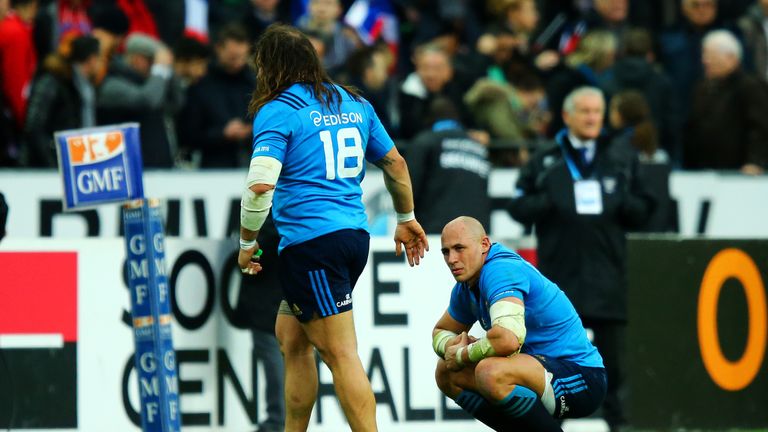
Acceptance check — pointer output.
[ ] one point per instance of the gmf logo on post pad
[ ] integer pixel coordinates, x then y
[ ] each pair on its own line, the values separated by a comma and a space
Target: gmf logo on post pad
100, 165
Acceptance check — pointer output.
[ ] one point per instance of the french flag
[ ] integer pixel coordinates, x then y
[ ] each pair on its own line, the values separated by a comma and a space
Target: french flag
196, 19
374, 20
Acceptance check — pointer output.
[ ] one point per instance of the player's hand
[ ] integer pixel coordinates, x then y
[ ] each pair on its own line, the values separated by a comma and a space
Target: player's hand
412, 236
450, 352
248, 263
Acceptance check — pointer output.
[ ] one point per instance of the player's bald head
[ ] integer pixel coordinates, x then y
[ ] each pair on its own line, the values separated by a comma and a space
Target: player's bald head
466, 225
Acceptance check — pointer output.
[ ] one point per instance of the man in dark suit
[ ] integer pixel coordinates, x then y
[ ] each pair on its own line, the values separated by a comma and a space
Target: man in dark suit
582, 195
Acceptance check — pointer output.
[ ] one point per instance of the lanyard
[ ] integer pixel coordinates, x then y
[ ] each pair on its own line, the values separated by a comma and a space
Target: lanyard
575, 173
442, 125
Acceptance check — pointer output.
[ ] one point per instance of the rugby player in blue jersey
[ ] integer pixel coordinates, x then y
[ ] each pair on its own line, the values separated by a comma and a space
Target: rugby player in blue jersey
535, 364
311, 139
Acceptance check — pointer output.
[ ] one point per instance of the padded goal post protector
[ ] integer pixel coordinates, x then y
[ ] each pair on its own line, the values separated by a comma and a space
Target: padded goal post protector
155, 359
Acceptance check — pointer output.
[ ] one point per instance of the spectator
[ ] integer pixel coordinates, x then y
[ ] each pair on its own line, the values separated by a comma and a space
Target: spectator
512, 114
609, 15
368, 70
140, 19
446, 163
214, 118
170, 18
755, 33
256, 310
190, 60
583, 194
109, 26
630, 116
324, 18
18, 58
58, 22
511, 46
433, 77
636, 71
190, 64
727, 127
62, 97
262, 14
604, 15
141, 87
680, 48
590, 65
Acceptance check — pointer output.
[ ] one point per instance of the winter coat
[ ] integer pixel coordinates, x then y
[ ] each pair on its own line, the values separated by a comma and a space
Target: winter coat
54, 105
636, 73
753, 34
449, 173
211, 103
727, 127
584, 254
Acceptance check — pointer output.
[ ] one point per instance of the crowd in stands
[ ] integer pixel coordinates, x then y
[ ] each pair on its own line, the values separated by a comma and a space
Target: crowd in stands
687, 81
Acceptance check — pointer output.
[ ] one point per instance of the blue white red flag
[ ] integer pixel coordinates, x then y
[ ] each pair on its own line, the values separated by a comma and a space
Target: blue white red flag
374, 20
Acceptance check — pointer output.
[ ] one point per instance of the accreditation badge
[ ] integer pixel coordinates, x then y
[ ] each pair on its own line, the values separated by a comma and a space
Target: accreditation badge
589, 197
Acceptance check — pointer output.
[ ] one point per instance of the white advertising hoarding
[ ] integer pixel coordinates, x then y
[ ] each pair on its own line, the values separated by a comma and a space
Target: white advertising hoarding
205, 204
395, 309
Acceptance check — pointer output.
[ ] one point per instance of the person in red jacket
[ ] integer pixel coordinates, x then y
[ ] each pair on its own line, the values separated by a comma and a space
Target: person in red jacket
18, 59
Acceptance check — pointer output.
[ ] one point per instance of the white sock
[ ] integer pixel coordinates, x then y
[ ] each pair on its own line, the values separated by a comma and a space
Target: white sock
548, 397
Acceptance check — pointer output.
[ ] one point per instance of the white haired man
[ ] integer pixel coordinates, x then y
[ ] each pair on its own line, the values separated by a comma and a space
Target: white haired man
727, 128
584, 193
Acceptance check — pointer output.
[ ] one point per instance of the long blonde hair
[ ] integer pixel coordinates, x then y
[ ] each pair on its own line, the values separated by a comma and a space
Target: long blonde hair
597, 50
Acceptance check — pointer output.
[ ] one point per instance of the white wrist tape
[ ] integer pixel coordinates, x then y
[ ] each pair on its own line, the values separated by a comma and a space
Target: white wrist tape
460, 356
405, 217
439, 340
511, 316
480, 349
247, 244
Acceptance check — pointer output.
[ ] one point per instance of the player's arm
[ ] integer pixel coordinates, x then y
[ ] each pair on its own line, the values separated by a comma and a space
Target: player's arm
398, 182
254, 207
447, 332
503, 339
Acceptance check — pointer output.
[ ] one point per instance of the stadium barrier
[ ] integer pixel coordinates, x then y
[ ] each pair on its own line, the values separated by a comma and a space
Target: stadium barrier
206, 204
697, 333
76, 290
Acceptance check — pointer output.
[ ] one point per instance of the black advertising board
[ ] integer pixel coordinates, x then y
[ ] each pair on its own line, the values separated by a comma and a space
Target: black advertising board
697, 333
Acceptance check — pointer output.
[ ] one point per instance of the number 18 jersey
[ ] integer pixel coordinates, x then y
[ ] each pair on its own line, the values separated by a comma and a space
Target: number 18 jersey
323, 152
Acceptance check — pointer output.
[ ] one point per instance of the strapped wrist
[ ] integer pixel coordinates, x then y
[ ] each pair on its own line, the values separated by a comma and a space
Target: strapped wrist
460, 356
405, 217
247, 244
440, 340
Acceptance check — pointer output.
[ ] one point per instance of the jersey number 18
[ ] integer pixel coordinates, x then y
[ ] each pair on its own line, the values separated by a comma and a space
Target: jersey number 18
345, 152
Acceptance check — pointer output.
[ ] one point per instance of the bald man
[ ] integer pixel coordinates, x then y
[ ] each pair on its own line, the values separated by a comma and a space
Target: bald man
535, 364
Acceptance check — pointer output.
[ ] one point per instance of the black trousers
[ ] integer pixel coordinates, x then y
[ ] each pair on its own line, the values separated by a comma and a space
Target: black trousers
610, 340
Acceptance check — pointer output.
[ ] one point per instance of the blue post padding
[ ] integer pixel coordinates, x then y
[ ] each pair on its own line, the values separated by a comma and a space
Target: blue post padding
155, 359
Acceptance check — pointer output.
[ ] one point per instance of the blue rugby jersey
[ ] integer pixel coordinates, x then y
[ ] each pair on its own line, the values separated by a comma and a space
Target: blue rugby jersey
323, 152
554, 328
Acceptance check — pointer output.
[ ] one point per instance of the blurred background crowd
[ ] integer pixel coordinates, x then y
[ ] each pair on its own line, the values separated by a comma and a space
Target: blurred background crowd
686, 78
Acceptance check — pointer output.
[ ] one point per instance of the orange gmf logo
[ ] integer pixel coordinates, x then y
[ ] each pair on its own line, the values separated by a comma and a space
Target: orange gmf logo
94, 147
732, 375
